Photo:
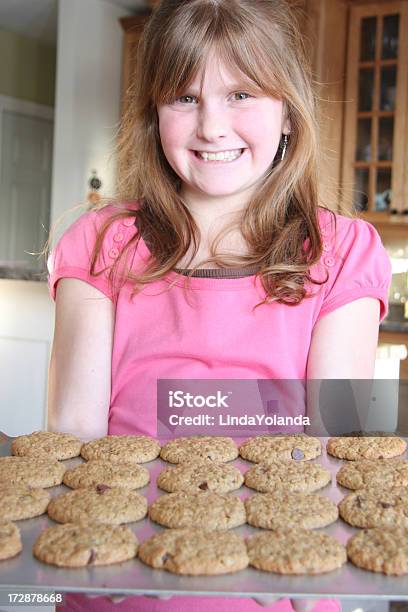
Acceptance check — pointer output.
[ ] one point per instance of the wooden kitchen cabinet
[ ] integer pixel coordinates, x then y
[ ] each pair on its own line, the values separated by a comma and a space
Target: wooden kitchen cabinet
133, 28
360, 64
375, 153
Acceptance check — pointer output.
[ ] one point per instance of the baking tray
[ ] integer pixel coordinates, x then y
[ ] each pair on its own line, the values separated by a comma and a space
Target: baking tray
134, 578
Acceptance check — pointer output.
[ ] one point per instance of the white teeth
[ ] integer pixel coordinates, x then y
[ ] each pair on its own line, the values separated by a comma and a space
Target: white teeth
222, 156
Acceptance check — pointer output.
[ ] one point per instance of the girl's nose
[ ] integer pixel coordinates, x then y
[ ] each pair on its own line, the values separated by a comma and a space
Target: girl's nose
212, 123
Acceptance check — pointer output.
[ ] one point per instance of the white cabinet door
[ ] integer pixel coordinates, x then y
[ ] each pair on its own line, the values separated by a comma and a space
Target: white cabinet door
26, 327
25, 180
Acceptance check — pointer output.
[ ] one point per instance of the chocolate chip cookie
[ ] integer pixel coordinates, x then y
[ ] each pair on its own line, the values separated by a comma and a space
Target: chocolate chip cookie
299, 447
200, 475
376, 507
383, 473
195, 552
80, 545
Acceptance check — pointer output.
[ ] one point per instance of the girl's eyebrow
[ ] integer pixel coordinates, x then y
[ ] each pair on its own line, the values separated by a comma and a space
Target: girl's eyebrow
236, 86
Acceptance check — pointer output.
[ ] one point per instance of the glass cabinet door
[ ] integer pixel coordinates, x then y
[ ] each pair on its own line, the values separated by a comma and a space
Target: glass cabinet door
375, 110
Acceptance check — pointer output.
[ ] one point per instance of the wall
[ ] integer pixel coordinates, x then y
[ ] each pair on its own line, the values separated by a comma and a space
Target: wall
27, 68
27, 72
26, 326
87, 101
87, 108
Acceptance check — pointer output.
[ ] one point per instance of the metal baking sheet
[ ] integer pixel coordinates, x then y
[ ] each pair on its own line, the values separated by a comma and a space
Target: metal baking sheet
135, 578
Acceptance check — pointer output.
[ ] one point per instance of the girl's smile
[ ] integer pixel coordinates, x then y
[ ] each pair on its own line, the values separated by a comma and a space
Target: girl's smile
217, 157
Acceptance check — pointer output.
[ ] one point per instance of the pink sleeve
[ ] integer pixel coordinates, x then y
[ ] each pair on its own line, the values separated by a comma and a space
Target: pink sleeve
358, 266
71, 257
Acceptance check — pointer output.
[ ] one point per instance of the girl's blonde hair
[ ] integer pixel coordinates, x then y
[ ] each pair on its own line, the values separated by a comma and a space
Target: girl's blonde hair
262, 40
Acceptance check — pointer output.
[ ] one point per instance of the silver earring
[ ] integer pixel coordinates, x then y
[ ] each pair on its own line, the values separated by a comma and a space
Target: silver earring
284, 146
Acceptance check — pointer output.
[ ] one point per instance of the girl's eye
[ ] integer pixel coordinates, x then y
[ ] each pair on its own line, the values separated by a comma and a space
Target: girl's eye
242, 95
186, 99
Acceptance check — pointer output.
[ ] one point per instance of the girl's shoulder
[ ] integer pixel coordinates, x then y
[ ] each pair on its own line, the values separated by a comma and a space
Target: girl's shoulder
99, 236
344, 236
114, 214
354, 262
116, 221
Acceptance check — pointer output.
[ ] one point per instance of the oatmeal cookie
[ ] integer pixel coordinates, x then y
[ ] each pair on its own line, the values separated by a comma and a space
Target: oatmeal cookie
136, 449
80, 545
195, 552
384, 473
367, 446
282, 509
288, 475
99, 505
295, 551
113, 474
299, 447
200, 475
19, 502
48, 443
10, 541
207, 508
376, 507
215, 448
31, 471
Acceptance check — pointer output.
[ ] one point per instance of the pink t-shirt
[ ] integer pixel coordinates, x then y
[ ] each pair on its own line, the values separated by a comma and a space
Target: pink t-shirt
213, 331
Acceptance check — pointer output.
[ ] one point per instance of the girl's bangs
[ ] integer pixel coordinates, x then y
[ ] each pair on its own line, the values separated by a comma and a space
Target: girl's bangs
253, 70
238, 51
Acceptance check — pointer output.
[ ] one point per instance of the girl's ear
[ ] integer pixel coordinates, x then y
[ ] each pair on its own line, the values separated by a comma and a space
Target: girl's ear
286, 125
287, 128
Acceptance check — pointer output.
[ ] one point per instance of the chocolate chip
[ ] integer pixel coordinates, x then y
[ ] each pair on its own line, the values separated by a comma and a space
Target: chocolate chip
297, 454
92, 556
165, 557
386, 505
203, 486
358, 501
101, 488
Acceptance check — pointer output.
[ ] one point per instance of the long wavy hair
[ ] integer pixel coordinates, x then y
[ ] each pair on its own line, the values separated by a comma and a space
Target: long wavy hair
262, 40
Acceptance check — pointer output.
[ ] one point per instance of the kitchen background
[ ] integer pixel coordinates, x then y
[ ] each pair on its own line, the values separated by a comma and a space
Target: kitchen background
64, 65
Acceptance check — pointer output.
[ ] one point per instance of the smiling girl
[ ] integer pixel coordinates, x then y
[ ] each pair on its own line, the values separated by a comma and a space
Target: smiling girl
218, 259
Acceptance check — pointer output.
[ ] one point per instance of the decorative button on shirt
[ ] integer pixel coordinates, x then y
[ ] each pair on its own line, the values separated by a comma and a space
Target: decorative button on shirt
128, 221
118, 237
113, 253
326, 246
329, 261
